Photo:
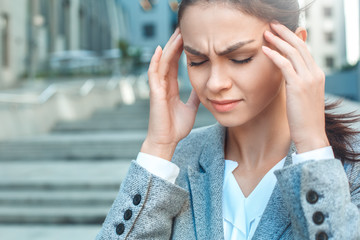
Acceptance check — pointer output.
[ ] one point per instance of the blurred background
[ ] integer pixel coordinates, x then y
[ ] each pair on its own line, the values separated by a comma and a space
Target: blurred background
74, 101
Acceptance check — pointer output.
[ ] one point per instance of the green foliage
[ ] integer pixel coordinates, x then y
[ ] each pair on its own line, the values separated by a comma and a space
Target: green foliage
349, 67
124, 48
130, 56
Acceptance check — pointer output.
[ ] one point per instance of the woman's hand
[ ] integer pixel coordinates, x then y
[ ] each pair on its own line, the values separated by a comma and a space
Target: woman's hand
170, 119
305, 87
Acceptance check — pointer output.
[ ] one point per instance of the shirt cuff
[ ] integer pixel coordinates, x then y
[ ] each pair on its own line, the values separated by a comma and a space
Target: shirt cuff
158, 166
317, 154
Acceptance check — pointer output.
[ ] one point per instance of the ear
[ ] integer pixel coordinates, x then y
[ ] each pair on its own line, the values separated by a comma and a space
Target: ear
301, 33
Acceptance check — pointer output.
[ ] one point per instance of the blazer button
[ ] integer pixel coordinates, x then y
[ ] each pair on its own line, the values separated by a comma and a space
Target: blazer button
321, 236
318, 218
120, 229
312, 197
137, 199
127, 214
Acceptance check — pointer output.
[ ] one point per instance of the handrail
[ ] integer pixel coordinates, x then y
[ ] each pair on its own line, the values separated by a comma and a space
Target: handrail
112, 83
87, 87
45, 95
48, 93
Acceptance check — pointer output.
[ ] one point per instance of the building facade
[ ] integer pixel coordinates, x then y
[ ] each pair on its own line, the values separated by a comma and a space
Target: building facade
13, 40
70, 25
325, 22
150, 22
33, 30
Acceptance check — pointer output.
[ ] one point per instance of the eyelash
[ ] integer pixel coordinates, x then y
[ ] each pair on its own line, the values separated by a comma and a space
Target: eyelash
194, 64
242, 61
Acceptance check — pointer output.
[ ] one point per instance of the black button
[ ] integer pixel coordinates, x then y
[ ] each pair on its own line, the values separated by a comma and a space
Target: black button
120, 229
312, 197
127, 214
321, 236
137, 199
318, 218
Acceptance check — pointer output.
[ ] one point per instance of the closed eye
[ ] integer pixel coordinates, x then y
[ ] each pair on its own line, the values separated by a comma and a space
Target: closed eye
194, 64
242, 61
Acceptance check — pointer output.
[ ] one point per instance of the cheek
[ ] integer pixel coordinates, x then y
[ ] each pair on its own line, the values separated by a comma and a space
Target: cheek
197, 79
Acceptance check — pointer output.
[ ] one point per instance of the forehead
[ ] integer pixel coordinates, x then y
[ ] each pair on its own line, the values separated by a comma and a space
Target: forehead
219, 23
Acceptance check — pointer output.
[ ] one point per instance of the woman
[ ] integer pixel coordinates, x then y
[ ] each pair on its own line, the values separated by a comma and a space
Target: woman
268, 169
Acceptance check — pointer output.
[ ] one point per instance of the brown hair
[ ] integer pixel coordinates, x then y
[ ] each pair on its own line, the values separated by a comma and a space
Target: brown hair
284, 11
341, 136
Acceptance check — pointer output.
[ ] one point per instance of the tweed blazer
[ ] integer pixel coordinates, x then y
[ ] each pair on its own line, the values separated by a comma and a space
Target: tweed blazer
311, 200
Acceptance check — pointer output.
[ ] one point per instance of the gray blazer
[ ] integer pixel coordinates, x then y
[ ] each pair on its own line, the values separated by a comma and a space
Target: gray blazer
311, 200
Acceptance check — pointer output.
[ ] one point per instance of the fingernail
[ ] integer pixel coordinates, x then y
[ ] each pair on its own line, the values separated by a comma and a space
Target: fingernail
269, 33
178, 36
176, 30
266, 49
157, 48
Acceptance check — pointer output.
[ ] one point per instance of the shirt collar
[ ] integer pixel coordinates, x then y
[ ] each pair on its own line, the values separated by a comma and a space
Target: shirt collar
243, 212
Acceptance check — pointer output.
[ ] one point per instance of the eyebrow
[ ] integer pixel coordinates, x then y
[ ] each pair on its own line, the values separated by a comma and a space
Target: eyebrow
227, 51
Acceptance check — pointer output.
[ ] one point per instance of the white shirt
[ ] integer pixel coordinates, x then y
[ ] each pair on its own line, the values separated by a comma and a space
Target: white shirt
240, 215
250, 208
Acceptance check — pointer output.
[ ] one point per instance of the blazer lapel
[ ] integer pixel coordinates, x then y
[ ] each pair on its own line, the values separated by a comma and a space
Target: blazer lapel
206, 184
275, 218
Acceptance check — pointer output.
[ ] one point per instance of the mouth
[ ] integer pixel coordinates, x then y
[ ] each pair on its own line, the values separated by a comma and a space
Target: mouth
224, 105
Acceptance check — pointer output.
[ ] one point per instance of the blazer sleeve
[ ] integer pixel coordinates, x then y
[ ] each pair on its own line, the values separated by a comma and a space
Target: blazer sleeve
145, 207
322, 200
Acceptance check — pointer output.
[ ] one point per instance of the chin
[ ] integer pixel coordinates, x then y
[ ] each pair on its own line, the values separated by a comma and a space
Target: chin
230, 120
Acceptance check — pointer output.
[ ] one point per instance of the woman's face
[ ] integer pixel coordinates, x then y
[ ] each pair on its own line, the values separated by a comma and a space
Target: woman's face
231, 75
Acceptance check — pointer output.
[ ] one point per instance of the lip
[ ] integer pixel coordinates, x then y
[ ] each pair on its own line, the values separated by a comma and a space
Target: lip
224, 105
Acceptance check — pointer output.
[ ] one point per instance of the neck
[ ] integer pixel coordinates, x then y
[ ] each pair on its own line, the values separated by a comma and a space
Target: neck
265, 140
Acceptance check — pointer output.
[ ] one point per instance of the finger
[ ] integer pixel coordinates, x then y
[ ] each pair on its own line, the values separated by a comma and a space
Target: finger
154, 67
170, 57
282, 63
289, 51
174, 61
296, 42
172, 38
193, 101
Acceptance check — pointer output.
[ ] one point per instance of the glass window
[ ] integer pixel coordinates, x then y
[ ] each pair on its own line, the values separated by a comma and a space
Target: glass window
328, 11
329, 62
149, 30
329, 37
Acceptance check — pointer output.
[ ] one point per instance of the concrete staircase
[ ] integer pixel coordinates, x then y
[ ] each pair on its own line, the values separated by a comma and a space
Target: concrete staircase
61, 185
72, 174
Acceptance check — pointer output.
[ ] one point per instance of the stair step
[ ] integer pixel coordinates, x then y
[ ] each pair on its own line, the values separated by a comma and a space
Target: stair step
59, 192
21, 185
72, 175
48, 231
134, 110
63, 175
53, 215
124, 118
57, 198
111, 145
116, 124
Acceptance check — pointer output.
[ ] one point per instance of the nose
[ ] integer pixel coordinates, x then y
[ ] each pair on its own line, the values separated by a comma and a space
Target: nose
218, 80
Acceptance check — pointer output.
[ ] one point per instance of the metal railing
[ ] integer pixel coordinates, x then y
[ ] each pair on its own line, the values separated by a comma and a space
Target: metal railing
49, 92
